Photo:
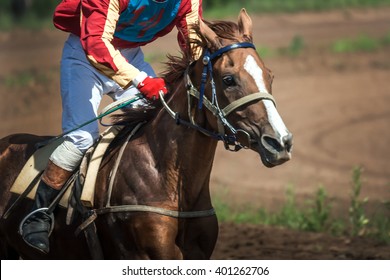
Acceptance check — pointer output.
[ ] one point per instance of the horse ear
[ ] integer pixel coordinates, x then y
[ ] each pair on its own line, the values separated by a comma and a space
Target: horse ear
210, 36
245, 23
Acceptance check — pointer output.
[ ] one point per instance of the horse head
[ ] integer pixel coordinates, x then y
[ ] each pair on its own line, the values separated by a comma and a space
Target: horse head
232, 77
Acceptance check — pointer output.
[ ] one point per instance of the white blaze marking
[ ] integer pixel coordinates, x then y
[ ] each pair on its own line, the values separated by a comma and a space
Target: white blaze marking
255, 71
274, 118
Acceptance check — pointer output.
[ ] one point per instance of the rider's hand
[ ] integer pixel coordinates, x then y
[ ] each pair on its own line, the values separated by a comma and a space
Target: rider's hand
150, 87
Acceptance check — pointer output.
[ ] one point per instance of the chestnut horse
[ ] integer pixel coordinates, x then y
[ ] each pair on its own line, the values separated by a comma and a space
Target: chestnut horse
159, 206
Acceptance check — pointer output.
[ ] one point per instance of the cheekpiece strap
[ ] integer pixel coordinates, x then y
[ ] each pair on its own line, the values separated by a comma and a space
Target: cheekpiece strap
207, 62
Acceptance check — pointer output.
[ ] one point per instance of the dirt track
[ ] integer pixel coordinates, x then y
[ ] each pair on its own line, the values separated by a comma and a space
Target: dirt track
337, 107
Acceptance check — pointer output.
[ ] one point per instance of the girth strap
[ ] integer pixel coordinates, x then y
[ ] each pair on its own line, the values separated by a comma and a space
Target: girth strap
143, 208
156, 210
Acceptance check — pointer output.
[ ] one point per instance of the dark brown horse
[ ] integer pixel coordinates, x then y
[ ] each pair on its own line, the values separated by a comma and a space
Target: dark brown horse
166, 166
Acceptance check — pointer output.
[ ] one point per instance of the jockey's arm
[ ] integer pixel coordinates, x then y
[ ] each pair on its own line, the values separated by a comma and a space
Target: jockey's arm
185, 34
98, 22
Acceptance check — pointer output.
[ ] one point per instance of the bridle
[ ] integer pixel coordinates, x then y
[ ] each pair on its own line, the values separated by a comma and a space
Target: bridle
230, 140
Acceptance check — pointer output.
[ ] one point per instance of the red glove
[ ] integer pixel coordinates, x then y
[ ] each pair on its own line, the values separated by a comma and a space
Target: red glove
150, 87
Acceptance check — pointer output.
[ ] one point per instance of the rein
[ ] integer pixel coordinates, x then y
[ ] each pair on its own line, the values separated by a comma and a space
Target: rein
230, 140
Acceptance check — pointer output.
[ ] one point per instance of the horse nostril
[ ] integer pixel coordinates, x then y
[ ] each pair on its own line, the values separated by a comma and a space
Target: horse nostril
278, 145
272, 143
288, 142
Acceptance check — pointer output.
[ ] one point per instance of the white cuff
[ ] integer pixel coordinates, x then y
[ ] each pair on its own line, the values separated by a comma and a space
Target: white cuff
139, 79
67, 156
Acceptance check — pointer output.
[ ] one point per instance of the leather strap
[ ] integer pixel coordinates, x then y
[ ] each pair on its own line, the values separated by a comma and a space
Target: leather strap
246, 99
156, 210
143, 208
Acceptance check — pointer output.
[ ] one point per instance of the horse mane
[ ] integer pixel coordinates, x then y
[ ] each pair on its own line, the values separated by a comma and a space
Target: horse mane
176, 67
228, 30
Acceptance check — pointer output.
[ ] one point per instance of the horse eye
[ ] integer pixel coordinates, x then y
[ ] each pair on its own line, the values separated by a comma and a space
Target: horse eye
229, 81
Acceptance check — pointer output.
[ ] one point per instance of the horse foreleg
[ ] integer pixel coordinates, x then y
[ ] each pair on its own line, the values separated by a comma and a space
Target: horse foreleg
199, 237
156, 237
138, 236
161, 237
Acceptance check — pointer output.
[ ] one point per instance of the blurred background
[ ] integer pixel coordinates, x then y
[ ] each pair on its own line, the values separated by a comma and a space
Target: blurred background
331, 61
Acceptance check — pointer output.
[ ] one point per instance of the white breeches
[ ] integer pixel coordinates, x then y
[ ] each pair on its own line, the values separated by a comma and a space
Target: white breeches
82, 89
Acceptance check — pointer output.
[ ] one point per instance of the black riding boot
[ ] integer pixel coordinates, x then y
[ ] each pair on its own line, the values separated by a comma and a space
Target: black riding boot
35, 230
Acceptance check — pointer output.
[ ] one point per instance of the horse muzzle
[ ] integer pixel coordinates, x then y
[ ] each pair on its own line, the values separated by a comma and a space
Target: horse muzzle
274, 150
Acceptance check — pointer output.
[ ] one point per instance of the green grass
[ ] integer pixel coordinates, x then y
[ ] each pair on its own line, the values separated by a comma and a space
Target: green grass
362, 43
358, 219
295, 47
26, 78
223, 8
37, 16
6, 22
315, 214
385, 41
41, 11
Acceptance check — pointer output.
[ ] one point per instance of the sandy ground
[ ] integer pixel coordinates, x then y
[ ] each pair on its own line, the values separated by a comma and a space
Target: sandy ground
337, 107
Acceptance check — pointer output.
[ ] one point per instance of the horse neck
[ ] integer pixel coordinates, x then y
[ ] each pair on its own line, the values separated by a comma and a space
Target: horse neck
189, 154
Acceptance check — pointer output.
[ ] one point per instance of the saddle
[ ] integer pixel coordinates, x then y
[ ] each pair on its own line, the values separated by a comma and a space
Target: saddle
27, 181
77, 196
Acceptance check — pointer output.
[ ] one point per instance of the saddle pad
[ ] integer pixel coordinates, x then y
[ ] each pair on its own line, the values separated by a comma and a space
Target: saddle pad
34, 165
88, 192
38, 162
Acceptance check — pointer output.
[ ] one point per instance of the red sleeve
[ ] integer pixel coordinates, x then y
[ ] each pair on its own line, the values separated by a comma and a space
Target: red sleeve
192, 16
67, 16
98, 23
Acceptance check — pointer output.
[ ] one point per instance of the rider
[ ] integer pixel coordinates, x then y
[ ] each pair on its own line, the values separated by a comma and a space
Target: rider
102, 55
